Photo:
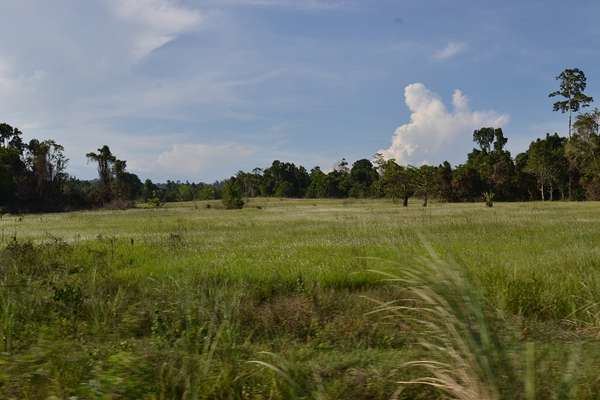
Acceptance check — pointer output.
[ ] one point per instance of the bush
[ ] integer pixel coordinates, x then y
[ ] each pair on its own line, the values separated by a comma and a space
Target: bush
154, 202
232, 195
488, 197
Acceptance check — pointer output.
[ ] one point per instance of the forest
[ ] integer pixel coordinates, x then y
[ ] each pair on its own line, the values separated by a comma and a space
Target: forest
34, 178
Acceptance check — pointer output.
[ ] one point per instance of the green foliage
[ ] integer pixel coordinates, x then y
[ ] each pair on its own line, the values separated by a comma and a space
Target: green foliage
424, 181
154, 201
283, 179
232, 195
363, 177
397, 181
547, 161
318, 187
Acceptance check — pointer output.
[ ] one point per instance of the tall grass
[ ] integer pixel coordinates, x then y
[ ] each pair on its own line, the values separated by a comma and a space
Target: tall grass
467, 355
173, 303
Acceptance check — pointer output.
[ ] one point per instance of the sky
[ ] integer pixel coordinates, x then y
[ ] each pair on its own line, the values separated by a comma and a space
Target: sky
199, 89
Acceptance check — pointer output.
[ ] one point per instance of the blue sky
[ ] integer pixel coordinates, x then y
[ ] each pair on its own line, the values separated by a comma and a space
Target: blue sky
192, 89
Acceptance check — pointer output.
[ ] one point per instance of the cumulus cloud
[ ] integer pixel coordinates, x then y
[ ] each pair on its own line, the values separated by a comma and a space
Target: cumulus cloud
451, 50
157, 21
435, 133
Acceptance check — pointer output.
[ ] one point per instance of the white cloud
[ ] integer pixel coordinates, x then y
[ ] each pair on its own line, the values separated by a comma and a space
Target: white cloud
452, 49
434, 133
157, 21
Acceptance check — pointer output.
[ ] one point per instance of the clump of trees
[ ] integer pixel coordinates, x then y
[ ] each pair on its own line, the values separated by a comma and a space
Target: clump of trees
33, 177
115, 186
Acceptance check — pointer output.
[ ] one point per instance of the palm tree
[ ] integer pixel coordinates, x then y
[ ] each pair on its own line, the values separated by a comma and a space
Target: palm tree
105, 159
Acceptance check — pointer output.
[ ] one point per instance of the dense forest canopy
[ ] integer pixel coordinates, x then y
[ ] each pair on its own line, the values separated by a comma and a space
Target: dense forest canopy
33, 175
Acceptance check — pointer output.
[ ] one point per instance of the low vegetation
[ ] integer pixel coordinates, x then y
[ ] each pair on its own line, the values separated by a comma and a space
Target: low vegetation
305, 299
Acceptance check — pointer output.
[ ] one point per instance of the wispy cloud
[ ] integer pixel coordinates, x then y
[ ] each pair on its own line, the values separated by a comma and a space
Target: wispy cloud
451, 50
156, 22
296, 4
194, 159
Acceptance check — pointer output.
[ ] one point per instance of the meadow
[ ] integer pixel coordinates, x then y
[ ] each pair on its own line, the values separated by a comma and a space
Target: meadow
292, 299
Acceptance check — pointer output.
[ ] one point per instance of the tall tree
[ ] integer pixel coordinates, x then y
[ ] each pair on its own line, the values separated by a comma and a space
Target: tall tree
492, 162
232, 194
546, 160
424, 181
467, 184
318, 184
46, 165
397, 181
484, 137
12, 167
587, 124
105, 159
444, 178
583, 154
572, 84
362, 177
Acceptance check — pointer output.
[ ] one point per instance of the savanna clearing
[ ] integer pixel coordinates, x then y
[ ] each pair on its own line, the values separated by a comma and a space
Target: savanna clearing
277, 300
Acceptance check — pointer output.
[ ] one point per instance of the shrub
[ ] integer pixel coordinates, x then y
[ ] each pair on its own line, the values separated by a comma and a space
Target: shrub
488, 197
154, 202
232, 195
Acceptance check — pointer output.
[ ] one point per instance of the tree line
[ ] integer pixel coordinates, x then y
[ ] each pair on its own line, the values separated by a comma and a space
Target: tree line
33, 175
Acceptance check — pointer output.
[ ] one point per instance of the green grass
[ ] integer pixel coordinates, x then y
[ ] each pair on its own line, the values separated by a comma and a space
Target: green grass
175, 302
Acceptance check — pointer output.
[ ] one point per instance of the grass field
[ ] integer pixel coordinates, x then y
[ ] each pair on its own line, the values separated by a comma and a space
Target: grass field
276, 301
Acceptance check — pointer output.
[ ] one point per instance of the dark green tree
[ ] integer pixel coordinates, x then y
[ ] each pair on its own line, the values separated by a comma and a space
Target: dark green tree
338, 180
12, 167
46, 173
493, 163
362, 177
484, 137
318, 184
149, 190
397, 182
232, 194
583, 154
104, 160
424, 181
546, 160
467, 184
444, 182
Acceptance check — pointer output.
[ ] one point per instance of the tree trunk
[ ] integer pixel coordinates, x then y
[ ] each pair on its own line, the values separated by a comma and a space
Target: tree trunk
551, 192
542, 190
405, 202
425, 200
570, 112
